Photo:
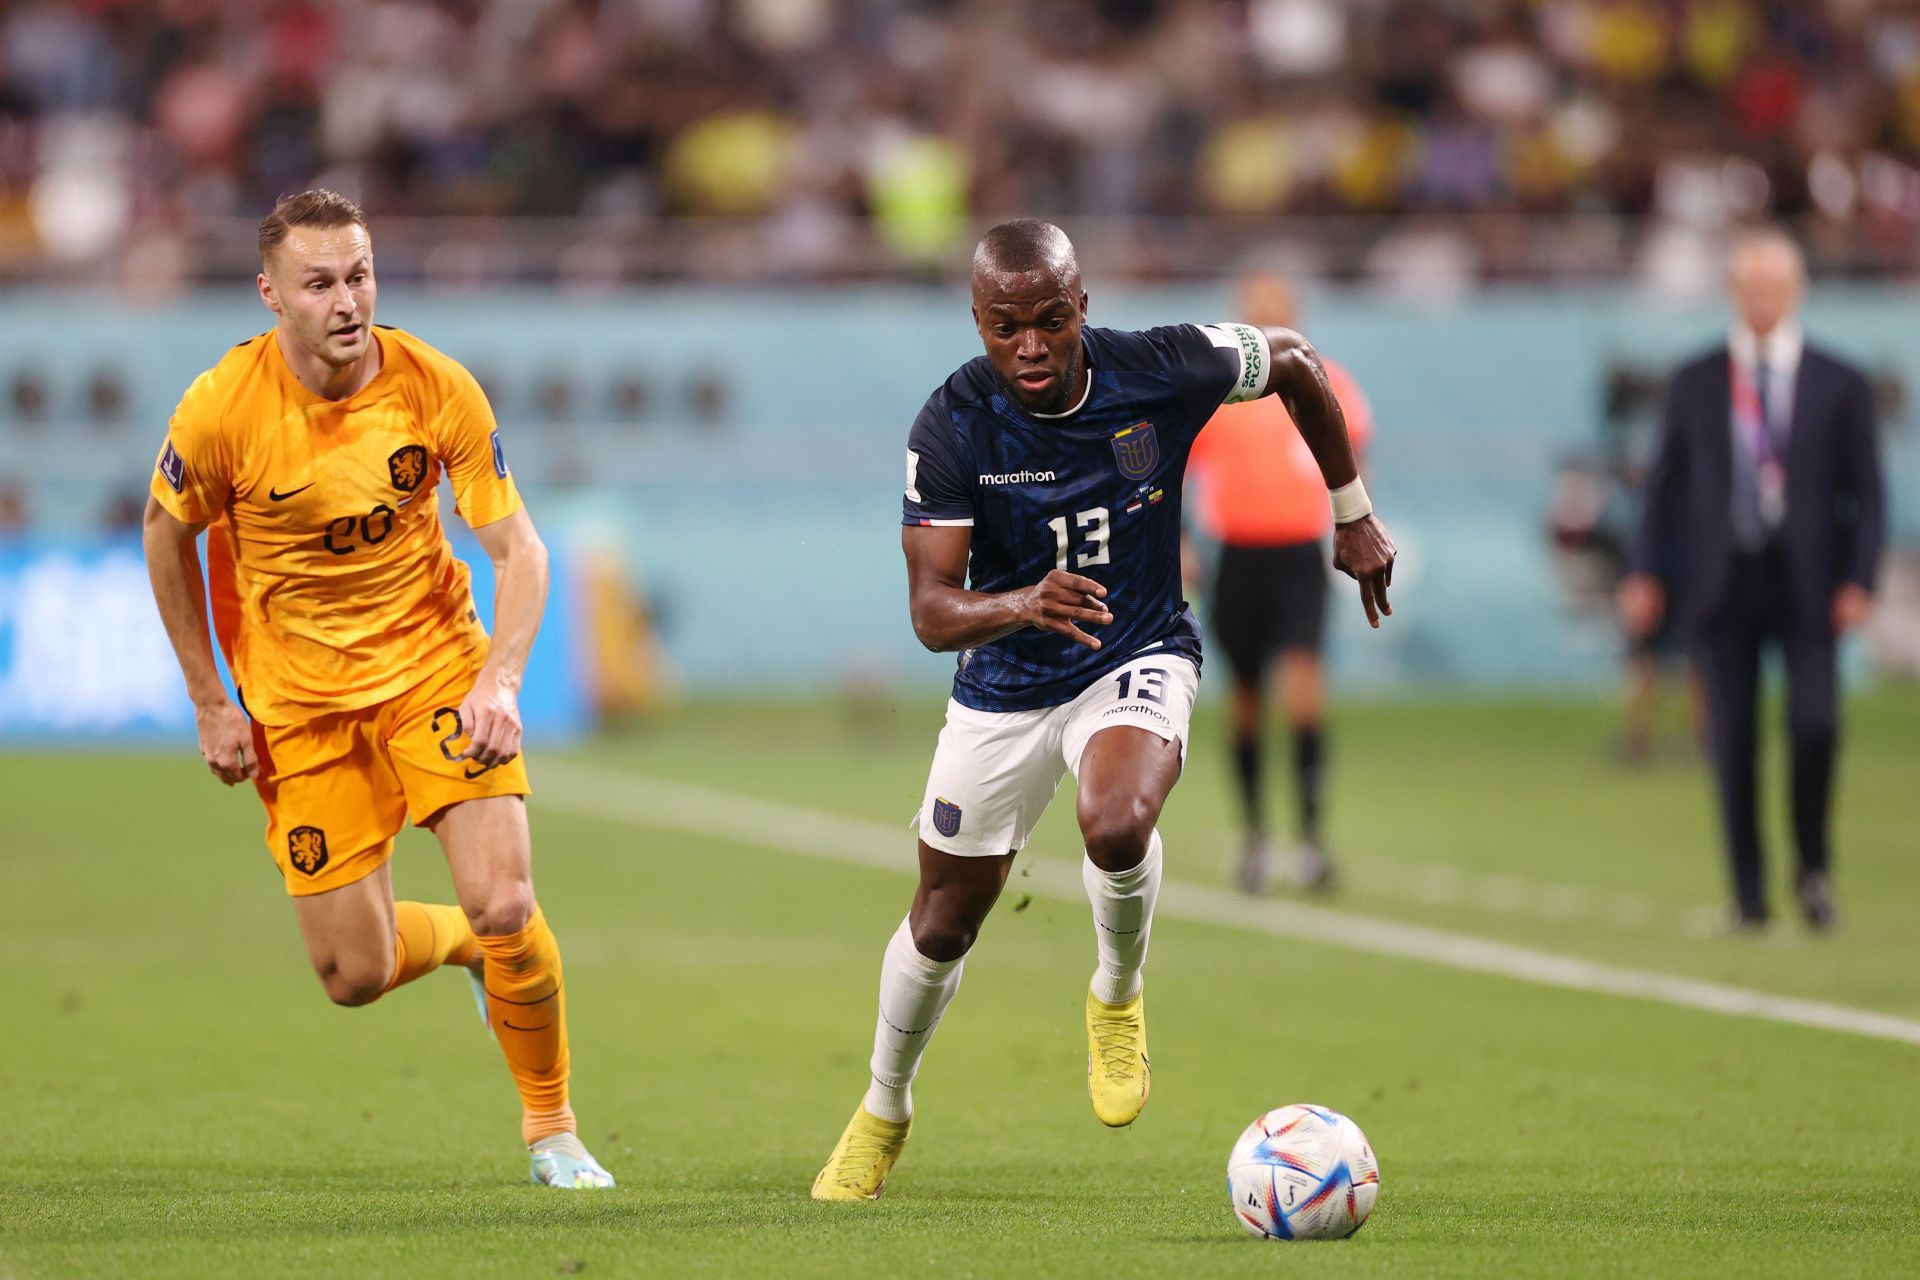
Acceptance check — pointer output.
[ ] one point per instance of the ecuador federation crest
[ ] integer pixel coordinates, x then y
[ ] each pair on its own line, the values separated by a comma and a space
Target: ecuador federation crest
1137, 450
307, 849
946, 817
407, 465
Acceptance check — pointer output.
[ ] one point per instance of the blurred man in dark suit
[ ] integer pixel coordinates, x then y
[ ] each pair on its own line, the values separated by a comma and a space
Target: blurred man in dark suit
1764, 514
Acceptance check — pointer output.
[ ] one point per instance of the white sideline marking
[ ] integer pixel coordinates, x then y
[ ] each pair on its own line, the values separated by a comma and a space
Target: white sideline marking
639, 800
1437, 884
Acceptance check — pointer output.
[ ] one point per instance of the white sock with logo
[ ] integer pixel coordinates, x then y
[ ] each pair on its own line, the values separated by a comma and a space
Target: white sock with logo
1122, 920
914, 992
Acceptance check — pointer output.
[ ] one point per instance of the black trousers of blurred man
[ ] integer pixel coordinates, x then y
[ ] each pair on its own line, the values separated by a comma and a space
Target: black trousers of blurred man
1763, 513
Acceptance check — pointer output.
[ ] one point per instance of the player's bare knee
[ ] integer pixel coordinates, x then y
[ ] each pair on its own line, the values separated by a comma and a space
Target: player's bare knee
944, 929
943, 941
505, 910
354, 983
1116, 832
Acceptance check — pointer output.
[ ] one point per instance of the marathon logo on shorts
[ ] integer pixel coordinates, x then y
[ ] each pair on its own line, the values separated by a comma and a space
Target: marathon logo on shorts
307, 849
499, 457
946, 817
1137, 450
173, 468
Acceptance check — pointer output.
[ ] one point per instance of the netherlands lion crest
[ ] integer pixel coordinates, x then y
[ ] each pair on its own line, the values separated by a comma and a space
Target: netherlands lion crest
307, 849
946, 817
408, 467
1137, 450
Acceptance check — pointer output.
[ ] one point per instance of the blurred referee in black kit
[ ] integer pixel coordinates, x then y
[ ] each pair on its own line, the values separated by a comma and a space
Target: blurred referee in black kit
1258, 491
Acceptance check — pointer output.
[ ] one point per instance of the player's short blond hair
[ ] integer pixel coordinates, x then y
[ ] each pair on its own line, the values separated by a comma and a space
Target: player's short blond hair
318, 208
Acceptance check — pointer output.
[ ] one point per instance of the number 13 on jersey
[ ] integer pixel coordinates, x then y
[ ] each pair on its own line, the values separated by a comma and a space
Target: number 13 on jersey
1098, 532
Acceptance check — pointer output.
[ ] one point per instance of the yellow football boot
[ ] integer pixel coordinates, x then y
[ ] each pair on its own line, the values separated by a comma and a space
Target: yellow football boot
1119, 1074
864, 1156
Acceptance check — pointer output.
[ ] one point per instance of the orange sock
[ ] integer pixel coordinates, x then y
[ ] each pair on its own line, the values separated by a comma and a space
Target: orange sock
427, 935
527, 1005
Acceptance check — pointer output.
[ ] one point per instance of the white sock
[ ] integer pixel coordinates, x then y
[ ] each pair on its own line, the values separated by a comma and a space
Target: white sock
1122, 920
913, 994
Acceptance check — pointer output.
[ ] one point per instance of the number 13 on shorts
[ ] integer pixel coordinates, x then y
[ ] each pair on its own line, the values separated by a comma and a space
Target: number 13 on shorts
1148, 684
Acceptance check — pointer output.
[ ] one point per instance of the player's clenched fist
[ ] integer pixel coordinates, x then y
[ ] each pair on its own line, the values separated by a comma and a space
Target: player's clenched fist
1061, 601
1363, 551
491, 716
226, 741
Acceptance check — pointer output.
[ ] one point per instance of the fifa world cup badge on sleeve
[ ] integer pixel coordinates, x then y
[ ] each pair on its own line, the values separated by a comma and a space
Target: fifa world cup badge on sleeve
946, 817
173, 468
499, 457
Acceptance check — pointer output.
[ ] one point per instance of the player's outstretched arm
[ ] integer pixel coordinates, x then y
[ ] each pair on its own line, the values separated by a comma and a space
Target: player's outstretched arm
491, 712
1361, 547
173, 566
947, 616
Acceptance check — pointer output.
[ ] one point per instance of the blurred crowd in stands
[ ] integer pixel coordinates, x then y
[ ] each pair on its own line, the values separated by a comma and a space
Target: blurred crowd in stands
1428, 134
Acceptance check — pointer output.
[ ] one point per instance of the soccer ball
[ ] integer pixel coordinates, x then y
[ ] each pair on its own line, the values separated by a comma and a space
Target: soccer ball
1302, 1173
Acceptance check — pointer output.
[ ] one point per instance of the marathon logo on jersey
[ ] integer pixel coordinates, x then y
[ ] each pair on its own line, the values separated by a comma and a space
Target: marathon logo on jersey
1016, 477
946, 817
407, 466
173, 468
1137, 449
307, 849
499, 457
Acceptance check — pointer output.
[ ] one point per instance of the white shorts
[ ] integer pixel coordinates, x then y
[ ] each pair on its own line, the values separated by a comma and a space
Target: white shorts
994, 772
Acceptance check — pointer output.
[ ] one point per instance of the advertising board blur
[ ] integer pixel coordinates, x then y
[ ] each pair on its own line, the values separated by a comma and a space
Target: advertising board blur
83, 657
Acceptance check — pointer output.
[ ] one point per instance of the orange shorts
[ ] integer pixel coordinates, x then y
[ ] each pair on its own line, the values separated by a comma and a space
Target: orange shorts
339, 787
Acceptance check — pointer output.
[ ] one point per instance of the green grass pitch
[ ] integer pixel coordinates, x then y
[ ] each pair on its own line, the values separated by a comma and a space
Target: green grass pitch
180, 1100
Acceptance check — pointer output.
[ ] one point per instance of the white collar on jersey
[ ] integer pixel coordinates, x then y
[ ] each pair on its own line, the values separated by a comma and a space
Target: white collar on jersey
1085, 395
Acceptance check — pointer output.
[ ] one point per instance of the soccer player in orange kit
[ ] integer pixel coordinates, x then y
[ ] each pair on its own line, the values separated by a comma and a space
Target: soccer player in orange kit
370, 691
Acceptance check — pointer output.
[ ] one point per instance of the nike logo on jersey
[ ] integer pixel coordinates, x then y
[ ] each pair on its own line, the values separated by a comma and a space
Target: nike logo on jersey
278, 496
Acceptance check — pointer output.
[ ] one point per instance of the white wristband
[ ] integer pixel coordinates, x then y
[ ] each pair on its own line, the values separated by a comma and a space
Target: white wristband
1350, 502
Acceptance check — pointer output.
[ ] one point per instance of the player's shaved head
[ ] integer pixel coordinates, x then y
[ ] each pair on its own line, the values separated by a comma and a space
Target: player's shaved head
1021, 249
1029, 308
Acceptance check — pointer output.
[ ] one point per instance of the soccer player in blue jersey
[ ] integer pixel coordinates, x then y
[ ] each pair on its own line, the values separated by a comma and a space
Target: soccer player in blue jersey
1042, 536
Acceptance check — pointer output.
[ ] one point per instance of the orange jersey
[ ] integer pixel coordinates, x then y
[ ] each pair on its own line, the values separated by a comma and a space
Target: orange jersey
333, 584
1255, 481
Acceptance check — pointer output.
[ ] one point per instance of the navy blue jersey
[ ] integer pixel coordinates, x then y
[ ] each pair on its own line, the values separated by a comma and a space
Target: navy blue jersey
1095, 491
